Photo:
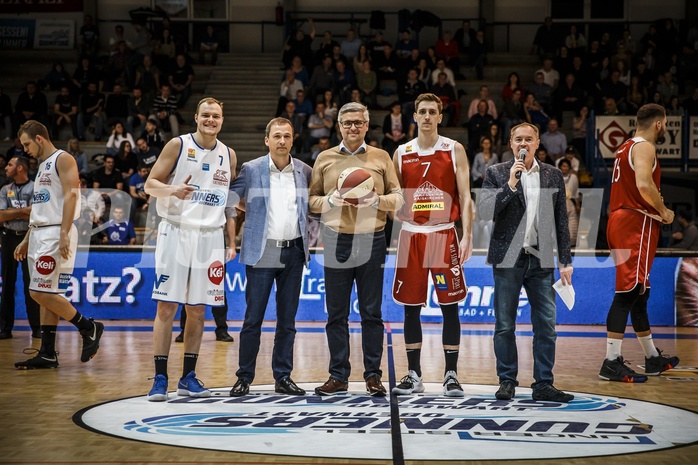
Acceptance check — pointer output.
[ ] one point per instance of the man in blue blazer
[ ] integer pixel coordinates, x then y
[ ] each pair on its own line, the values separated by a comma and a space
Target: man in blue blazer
274, 249
526, 200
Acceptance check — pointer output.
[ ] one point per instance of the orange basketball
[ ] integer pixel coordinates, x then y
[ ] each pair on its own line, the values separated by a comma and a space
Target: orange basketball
354, 184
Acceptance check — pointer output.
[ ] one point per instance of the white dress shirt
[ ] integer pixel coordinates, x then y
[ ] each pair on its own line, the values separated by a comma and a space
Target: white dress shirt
282, 214
530, 181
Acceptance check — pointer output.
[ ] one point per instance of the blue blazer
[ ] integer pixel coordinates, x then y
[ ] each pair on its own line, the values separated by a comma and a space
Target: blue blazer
252, 184
508, 210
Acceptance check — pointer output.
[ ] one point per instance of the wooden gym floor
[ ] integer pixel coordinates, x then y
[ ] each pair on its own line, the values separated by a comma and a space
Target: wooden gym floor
37, 406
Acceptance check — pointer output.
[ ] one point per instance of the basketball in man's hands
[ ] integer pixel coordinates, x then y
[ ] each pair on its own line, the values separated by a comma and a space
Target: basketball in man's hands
354, 184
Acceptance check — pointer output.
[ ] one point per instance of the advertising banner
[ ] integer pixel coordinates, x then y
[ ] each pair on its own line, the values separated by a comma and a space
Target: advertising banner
614, 130
17, 34
40, 6
118, 285
55, 34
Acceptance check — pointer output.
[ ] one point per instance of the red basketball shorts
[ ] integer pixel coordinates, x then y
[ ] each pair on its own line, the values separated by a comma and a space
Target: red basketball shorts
632, 238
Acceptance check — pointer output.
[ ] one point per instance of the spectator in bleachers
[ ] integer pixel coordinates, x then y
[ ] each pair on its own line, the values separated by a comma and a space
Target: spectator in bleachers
687, 237
424, 72
91, 112
442, 68
181, 78
326, 47
464, 37
629, 43
550, 75
331, 104
117, 137
344, 81
691, 103
147, 155
4, 179
85, 224
125, 160
367, 82
447, 48
322, 78
650, 60
563, 62
409, 91
606, 47
31, 104
85, 73
65, 112
5, 116
299, 70
114, 40
164, 50
337, 55
656, 98
142, 47
164, 111
57, 77
554, 141
674, 107
669, 40
483, 95
209, 44
603, 72
512, 113
535, 114
447, 93
152, 134
542, 92
119, 230
138, 110
688, 66
478, 127
33, 167
411, 62
118, 65
572, 157
478, 52
73, 148
483, 160
297, 123
108, 177
613, 88
88, 39
396, 128
546, 41
322, 145
116, 107
498, 144
350, 45
513, 83
303, 105
319, 125
362, 56
636, 95
572, 199
569, 97
405, 45
667, 87
17, 150
593, 57
301, 45
136, 183
91, 200
575, 42
621, 55
374, 48
148, 77
386, 64
581, 74
579, 130
287, 90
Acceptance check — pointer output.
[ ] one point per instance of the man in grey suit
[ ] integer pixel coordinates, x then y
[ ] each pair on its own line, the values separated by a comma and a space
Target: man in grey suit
274, 249
526, 200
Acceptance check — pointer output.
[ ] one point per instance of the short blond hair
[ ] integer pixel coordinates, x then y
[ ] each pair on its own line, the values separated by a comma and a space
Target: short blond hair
535, 129
210, 101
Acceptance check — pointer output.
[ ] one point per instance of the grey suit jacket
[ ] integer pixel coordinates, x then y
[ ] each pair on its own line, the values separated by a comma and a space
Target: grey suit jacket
508, 210
252, 184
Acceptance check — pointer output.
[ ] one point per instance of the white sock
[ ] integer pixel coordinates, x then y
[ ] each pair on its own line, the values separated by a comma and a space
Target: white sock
648, 346
613, 348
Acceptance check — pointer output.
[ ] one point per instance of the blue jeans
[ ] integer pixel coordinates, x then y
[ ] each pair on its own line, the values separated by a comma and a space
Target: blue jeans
349, 258
260, 279
538, 282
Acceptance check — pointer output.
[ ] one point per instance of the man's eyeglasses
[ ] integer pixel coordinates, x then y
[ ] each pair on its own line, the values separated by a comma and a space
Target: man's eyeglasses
349, 124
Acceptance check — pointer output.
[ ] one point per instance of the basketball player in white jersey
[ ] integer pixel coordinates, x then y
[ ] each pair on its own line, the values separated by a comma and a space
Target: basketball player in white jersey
190, 180
50, 246
434, 173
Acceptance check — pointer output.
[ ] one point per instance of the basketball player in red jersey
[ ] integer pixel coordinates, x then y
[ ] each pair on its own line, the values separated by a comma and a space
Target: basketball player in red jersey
435, 176
637, 212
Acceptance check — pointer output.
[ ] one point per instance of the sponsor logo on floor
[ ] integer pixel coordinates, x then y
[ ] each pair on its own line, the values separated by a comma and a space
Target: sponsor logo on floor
433, 427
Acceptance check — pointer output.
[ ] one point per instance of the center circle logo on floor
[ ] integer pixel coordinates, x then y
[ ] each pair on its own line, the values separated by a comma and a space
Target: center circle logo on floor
476, 427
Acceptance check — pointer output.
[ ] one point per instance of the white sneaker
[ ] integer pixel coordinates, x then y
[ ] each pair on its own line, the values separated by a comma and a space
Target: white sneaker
452, 387
409, 384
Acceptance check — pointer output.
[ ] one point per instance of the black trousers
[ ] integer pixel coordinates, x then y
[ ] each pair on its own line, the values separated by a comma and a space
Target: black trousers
9, 240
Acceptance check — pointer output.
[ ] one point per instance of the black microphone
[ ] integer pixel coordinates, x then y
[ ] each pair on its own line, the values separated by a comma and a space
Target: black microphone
522, 155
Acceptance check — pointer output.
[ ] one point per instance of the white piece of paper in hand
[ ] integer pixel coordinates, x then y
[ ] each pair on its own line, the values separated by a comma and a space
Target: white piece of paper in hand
566, 293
